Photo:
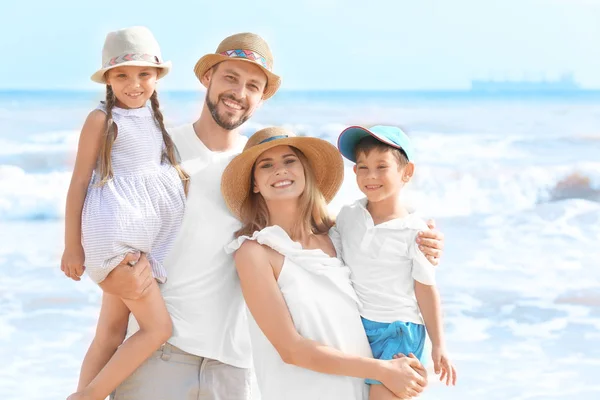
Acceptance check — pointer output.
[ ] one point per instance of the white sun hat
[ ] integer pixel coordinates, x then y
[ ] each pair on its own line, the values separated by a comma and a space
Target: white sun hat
134, 46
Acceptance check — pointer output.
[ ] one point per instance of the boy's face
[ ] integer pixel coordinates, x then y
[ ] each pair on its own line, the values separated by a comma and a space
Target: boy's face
379, 175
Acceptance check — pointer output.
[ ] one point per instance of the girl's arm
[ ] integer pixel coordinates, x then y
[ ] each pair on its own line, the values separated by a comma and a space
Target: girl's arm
90, 141
268, 307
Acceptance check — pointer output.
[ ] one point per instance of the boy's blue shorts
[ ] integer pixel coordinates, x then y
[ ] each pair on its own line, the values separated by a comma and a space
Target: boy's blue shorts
387, 339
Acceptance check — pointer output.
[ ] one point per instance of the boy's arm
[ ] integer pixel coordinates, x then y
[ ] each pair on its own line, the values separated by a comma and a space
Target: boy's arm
429, 302
428, 299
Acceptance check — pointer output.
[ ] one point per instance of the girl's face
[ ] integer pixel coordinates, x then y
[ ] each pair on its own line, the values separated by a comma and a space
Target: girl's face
132, 85
279, 174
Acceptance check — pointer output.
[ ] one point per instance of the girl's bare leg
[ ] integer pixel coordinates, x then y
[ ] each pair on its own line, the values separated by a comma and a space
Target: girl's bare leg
155, 329
110, 333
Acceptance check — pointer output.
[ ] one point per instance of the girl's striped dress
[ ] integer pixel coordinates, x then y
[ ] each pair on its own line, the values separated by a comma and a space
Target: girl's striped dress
141, 207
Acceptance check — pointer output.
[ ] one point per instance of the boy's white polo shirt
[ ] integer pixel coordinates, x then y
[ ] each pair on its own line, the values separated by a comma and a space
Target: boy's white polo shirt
385, 261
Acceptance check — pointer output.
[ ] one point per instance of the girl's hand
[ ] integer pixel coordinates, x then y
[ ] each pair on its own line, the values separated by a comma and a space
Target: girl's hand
72, 262
442, 364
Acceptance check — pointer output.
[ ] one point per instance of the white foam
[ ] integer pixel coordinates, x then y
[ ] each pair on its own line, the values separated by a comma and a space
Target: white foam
32, 196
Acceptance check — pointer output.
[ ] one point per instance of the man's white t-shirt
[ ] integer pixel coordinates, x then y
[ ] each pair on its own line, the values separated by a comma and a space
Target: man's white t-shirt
384, 261
202, 291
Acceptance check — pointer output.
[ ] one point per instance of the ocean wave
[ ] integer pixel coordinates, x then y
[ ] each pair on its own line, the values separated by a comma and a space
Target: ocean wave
44, 152
435, 191
26, 196
445, 192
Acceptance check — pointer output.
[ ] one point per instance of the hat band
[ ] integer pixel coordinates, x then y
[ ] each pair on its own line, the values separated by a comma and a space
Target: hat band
132, 57
248, 54
270, 139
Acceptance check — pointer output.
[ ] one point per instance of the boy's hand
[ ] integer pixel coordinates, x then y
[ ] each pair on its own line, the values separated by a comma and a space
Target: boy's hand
72, 262
431, 243
441, 363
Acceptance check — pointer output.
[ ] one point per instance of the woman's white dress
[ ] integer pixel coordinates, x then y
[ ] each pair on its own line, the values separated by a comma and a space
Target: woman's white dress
323, 306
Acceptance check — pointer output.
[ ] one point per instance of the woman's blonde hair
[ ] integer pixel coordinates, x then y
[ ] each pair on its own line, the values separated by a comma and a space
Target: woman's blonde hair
314, 217
169, 155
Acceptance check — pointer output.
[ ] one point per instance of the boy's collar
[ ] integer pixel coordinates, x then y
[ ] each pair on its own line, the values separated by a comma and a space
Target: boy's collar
411, 221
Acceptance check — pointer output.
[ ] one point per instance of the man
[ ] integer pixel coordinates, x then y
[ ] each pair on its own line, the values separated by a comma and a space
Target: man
209, 354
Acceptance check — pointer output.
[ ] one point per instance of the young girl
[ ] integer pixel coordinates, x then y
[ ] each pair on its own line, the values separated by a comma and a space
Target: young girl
126, 196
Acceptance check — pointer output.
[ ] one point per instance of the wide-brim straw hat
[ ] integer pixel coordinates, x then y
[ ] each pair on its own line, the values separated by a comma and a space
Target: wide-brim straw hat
324, 158
135, 46
247, 47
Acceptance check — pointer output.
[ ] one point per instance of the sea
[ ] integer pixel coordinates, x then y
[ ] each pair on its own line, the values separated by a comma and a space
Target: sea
511, 180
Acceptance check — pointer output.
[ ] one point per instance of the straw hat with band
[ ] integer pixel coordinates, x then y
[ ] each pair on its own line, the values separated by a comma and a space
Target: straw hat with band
247, 47
325, 161
135, 46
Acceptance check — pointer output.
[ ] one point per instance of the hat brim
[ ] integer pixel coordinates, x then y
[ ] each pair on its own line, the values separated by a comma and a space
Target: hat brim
350, 137
163, 69
210, 60
324, 159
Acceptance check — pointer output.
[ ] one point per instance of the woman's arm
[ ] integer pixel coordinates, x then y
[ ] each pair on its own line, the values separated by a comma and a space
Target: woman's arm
90, 141
268, 307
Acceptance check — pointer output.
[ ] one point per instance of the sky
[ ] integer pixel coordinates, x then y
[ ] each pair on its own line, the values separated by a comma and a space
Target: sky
317, 44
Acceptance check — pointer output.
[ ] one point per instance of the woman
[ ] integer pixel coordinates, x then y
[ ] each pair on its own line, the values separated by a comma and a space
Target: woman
307, 337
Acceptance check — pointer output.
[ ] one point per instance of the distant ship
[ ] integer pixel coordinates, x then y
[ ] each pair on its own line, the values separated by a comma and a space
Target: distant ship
565, 83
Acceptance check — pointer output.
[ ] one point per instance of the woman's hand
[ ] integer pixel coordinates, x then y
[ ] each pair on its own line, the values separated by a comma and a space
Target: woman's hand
406, 377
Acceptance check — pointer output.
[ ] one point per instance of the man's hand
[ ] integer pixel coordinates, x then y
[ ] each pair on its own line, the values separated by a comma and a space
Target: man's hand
130, 279
431, 243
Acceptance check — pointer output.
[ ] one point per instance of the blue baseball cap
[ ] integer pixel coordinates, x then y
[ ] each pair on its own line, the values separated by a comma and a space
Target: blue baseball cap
389, 135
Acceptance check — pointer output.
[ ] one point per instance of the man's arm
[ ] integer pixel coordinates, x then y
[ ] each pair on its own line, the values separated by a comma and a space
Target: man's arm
127, 281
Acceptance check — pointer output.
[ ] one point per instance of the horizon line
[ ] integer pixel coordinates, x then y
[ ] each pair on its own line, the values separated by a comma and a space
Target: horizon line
337, 90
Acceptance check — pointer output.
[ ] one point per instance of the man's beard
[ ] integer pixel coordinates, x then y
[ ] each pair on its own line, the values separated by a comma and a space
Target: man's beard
228, 125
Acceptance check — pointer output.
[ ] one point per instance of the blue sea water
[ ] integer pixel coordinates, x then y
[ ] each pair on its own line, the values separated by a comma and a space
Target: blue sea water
513, 181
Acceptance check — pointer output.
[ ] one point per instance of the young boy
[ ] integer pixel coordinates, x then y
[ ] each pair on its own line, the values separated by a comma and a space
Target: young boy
376, 238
